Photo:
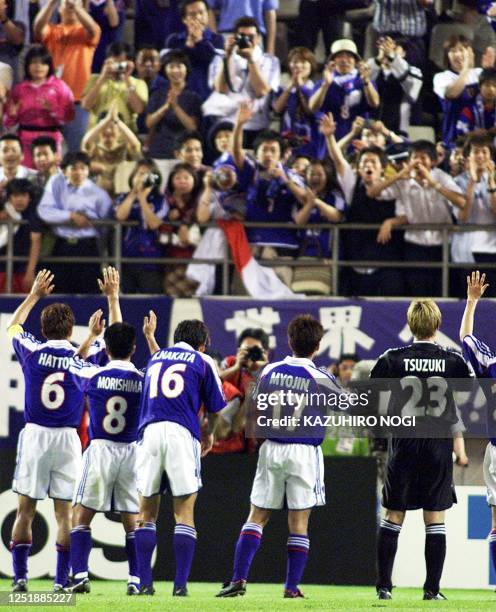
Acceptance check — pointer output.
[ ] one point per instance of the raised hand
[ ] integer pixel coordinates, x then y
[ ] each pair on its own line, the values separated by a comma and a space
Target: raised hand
42, 285
328, 74
328, 125
150, 324
476, 286
111, 282
96, 323
245, 112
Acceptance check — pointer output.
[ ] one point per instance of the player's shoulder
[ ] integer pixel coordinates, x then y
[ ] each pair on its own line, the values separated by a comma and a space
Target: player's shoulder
395, 353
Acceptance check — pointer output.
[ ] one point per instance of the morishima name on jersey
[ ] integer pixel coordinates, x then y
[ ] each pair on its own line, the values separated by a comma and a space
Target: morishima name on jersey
114, 396
51, 397
424, 374
178, 381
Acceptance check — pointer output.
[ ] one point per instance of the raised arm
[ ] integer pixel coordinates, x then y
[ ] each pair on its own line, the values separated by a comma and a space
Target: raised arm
245, 113
96, 326
319, 96
85, 19
42, 287
371, 93
149, 329
110, 287
476, 287
271, 27
43, 18
328, 129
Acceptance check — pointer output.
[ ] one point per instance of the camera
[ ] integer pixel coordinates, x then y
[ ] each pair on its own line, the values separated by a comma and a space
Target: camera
224, 177
119, 67
152, 179
243, 41
255, 353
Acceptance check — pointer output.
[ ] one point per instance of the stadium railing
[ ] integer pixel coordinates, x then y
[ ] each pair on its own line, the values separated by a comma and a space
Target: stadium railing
114, 254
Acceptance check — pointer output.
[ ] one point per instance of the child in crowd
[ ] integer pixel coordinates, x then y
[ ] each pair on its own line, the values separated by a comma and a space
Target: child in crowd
481, 113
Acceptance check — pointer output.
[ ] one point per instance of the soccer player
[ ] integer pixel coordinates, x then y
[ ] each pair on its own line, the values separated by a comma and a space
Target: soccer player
290, 468
483, 360
178, 381
419, 472
107, 480
49, 450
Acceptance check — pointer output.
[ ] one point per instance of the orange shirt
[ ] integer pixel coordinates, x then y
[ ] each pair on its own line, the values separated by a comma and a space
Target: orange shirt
72, 50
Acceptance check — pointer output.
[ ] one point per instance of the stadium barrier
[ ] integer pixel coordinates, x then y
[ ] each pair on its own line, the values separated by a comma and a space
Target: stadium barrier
115, 257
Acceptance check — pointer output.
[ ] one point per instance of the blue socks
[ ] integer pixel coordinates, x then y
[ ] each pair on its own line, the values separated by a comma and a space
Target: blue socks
20, 553
146, 540
80, 551
298, 546
132, 558
247, 545
184, 550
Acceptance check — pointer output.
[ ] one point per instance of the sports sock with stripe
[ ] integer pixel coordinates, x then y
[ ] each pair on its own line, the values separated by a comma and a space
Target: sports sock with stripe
132, 558
298, 546
435, 553
80, 551
387, 545
146, 540
20, 553
247, 545
63, 565
184, 550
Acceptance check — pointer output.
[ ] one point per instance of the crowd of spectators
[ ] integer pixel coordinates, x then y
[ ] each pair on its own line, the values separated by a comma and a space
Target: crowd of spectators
201, 118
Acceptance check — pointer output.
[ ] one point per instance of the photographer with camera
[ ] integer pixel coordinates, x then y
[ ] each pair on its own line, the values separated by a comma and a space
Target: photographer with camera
115, 83
246, 73
252, 355
173, 109
145, 204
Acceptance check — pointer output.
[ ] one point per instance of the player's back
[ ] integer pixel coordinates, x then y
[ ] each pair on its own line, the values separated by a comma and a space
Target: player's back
425, 375
52, 399
178, 380
114, 397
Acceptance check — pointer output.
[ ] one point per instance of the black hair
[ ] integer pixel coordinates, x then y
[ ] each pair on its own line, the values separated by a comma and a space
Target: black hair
193, 332
119, 48
180, 167
149, 163
375, 150
19, 185
186, 3
44, 141
70, 159
347, 357
257, 333
120, 340
332, 183
246, 22
185, 136
304, 335
176, 56
270, 136
11, 137
423, 146
479, 138
38, 52
488, 74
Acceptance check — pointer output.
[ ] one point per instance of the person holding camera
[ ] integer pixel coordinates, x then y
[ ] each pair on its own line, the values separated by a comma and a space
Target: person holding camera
246, 73
252, 355
145, 204
115, 83
173, 109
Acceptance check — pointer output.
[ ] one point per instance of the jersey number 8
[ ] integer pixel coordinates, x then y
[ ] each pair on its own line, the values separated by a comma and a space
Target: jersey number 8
115, 422
172, 384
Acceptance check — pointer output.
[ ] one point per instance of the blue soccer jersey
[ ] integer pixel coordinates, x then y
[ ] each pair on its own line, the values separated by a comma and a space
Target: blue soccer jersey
178, 381
483, 361
51, 398
114, 397
308, 393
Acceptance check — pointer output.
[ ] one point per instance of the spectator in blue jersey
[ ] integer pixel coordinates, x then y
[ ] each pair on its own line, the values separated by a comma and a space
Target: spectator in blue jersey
263, 11
398, 83
272, 190
458, 85
483, 360
481, 113
148, 70
110, 15
174, 109
220, 140
154, 21
199, 43
171, 441
143, 203
290, 464
70, 202
298, 123
49, 450
246, 72
346, 89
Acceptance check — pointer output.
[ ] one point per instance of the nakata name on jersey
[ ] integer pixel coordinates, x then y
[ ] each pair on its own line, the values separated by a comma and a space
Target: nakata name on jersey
169, 355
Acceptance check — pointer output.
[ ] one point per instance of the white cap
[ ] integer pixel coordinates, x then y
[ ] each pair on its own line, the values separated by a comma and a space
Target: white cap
344, 44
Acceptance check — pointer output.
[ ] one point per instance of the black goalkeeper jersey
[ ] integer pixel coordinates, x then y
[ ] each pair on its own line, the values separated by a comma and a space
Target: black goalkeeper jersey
424, 377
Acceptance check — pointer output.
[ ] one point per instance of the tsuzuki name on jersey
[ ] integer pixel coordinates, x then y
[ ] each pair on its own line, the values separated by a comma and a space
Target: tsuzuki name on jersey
52, 361
119, 384
424, 365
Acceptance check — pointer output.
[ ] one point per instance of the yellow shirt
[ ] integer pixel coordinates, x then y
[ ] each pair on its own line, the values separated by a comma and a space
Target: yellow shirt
112, 90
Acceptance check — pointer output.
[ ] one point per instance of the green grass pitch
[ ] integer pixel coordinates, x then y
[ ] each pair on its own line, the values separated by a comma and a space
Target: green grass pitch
110, 596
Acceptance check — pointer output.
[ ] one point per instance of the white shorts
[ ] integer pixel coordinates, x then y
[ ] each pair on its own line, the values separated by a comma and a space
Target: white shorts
168, 449
107, 480
489, 470
294, 471
48, 462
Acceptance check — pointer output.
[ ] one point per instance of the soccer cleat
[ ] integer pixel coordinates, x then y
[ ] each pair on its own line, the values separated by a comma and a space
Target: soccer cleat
146, 590
20, 586
180, 592
58, 588
81, 586
292, 594
132, 589
384, 594
232, 589
430, 596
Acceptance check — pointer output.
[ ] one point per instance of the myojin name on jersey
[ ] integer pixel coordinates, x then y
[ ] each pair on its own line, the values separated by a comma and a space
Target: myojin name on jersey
289, 381
413, 364
111, 383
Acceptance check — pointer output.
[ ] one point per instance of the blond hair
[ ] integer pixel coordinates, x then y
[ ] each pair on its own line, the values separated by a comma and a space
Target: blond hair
424, 318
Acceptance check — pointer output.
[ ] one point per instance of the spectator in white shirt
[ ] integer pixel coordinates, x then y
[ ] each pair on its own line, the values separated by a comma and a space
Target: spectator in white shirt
10, 161
245, 73
423, 194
